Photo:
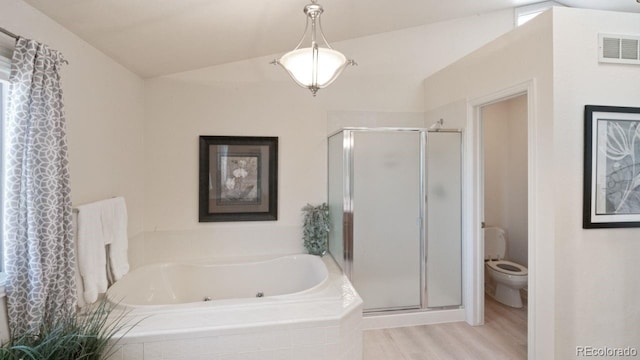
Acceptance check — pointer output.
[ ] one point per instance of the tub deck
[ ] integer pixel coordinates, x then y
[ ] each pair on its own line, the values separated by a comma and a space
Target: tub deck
325, 323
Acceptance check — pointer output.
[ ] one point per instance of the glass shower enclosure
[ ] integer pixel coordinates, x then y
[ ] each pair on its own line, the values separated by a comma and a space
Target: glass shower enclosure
395, 208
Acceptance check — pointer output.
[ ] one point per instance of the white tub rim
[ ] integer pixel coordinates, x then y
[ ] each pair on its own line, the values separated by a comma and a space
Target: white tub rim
236, 302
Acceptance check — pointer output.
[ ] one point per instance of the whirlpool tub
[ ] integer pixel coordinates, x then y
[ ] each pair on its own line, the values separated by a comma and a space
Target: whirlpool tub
186, 284
291, 307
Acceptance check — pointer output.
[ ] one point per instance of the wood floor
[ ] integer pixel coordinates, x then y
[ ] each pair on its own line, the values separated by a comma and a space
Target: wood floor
503, 336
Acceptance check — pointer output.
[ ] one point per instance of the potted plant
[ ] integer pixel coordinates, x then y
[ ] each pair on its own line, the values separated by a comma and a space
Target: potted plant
316, 228
88, 336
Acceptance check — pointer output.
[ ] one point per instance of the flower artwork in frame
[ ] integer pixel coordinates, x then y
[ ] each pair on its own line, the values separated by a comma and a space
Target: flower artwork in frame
238, 178
611, 167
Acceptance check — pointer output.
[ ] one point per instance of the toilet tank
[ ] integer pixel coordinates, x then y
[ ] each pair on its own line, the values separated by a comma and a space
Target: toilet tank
495, 243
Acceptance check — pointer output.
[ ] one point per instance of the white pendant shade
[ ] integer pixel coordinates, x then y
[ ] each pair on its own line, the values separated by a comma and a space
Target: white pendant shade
314, 67
310, 72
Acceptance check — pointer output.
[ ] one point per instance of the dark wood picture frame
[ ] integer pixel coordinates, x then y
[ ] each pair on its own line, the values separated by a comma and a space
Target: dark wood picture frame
611, 194
238, 178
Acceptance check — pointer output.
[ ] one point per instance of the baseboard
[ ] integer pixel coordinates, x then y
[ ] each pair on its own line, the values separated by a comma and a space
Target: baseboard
386, 321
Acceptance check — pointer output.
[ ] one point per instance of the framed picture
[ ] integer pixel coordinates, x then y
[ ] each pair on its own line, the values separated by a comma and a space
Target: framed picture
611, 167
238, 178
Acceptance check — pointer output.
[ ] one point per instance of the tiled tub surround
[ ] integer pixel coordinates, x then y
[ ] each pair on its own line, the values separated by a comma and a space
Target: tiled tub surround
324, 323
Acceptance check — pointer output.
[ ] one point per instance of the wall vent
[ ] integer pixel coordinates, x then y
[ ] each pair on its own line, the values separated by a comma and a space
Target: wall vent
620, 49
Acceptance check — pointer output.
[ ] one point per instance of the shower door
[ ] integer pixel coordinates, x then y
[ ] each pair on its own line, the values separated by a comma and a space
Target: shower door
386, 194
444, 219
395, 207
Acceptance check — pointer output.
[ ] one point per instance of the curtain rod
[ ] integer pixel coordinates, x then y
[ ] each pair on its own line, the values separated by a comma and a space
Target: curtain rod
8, 33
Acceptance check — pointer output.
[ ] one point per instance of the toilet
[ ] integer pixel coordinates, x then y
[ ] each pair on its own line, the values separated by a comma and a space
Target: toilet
507, 276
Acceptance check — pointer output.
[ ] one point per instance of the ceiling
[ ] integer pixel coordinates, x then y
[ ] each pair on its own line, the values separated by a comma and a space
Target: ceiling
159, 37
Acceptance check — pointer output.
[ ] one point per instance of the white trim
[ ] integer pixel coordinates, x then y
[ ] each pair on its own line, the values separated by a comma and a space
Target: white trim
5, 68
386, 321
473, 270
474, 257
3, 279
4, 100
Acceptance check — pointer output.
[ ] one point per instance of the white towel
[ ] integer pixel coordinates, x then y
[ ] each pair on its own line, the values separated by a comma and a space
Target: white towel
79, 285
92, 259
114, 226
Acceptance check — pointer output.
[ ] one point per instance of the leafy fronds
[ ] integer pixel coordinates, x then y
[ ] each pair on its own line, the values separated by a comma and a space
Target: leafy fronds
86, 336
316, 226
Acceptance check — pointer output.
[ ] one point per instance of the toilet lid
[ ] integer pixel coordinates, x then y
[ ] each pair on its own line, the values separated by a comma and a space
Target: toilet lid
508, 267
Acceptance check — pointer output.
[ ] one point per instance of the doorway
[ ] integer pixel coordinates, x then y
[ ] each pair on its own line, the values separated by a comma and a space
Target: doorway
474, 215
504, 195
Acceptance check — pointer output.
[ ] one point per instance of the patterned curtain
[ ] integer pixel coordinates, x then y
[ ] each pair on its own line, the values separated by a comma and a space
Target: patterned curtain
40, 258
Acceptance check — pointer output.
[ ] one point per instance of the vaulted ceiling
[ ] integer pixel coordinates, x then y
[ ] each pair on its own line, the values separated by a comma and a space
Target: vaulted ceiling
158, 37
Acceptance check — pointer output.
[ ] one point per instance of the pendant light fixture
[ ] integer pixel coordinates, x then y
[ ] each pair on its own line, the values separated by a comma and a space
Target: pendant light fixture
317, 66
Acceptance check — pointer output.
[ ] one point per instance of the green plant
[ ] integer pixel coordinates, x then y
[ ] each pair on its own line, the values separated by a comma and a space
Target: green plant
86, 336
315, 229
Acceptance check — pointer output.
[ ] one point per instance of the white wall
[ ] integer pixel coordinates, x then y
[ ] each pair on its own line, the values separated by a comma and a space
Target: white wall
505, 172
586, 287
517, 218
254, 98
495, 131
523, 56
104, 108
597, 287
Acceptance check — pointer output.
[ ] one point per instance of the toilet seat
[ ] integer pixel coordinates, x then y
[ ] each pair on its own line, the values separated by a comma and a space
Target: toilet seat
495, 265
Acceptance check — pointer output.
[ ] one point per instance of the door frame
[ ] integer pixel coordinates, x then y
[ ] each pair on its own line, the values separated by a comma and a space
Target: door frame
474, 207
